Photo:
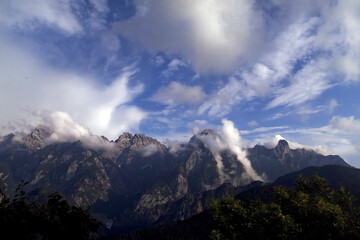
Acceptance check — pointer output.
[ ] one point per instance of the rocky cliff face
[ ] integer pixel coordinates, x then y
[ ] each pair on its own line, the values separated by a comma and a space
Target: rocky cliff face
36, 139
138, 180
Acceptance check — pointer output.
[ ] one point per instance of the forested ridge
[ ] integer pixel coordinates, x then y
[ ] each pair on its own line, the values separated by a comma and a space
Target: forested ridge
311, 210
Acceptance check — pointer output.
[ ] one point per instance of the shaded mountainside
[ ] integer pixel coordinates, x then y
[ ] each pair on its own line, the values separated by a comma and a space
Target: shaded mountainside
337, 176
282, 160
136, 181
200, 225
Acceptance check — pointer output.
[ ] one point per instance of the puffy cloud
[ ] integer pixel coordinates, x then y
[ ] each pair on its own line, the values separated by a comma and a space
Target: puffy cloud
173, 146
212, 35
235, 144
65, 129
27, 83
346, 124
148, 150
177, 93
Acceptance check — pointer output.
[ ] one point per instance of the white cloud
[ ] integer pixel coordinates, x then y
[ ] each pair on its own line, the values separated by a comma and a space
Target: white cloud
27, 83
346, 124
125, 118
148, 150
28, 14
65, 129
173, 66
292, 44
307, 84
252, 123
212, 35
177, 94
265, 76
235, 144
332, 105
215, 144
100, 5
173, 146
284, 72
263, 129
341, 35
221, 102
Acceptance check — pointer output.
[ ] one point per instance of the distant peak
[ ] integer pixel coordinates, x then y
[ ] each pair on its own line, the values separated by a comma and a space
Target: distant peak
124, 136
282, 145
199, 138
35, 139
41, 131
208, 132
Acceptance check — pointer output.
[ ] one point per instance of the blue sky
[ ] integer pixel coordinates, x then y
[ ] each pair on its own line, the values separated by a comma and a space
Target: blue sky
170, 68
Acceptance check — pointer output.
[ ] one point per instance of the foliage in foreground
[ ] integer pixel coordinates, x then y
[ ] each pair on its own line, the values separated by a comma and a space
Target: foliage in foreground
311, 211
54, 220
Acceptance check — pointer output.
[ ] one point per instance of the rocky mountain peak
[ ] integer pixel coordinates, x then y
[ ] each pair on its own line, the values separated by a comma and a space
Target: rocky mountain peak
282, 150
124, 140
126, 136
197, 138
36, 139
209, 132
139, 140
282, 146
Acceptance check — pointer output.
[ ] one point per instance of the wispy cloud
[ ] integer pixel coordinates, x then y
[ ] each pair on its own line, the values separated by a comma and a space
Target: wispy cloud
173, 66
307, 84
27, 15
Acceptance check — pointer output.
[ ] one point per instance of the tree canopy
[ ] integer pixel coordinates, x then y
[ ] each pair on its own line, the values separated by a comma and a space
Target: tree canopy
310, 211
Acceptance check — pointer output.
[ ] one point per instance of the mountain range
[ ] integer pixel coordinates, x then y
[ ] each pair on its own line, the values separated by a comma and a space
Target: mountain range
136, 181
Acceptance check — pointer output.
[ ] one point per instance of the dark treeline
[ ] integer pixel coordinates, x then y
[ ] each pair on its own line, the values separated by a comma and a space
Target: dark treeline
21, 219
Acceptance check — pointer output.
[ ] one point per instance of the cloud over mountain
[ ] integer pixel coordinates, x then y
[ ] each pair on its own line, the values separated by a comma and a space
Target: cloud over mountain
290, 68
29, 84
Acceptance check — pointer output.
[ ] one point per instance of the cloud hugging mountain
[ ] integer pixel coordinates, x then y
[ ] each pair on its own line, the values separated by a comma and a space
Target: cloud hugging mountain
146, 180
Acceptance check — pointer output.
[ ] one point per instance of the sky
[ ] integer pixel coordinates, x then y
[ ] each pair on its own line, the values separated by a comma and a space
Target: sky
274, 68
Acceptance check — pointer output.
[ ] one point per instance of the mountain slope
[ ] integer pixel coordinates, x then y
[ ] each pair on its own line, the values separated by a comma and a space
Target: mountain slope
200, 226
136, 180
282, 160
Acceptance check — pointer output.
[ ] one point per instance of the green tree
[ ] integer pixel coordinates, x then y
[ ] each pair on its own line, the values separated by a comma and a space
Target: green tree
311, 211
